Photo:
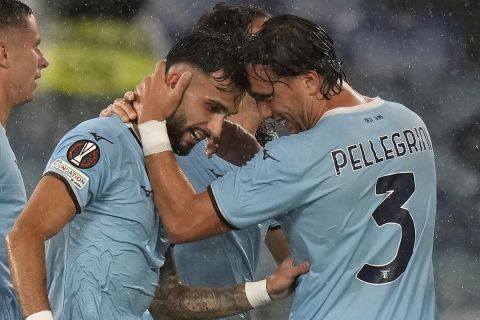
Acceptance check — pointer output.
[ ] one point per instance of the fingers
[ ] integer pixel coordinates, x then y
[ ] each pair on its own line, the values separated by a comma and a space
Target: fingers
127, 106
182, 84
154, 99
160, 70
129, 96
124, 109
107, 112
302, 268
211, 146
293, 270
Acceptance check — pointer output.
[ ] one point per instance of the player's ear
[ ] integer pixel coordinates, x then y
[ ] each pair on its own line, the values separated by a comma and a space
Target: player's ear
313, 82
172, 79
4, 63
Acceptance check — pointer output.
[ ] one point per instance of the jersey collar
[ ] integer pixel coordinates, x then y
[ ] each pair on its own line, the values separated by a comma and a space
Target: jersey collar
375, 102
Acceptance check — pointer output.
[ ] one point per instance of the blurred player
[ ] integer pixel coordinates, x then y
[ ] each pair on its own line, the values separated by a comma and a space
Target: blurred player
354, 186
95, 203
21, 62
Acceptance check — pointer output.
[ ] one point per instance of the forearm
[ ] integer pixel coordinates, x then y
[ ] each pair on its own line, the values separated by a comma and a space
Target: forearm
177, 301
26, 253
277, 244
50, 207
182, 302
236, 145
172, 191
186, 215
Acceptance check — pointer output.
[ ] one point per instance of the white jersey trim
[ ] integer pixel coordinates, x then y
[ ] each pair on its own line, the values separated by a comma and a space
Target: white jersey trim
375, 102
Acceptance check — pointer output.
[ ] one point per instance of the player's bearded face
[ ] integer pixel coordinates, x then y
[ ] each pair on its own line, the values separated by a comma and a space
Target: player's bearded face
177, 128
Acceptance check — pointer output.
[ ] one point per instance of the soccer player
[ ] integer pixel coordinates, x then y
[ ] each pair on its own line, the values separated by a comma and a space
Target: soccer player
95, 203
231, 257
21, 63
354, 186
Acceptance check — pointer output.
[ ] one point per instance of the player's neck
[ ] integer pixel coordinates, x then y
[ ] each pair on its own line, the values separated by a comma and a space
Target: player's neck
347, 97
4, 111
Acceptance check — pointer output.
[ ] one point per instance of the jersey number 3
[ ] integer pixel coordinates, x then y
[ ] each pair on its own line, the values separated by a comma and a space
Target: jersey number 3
400, 187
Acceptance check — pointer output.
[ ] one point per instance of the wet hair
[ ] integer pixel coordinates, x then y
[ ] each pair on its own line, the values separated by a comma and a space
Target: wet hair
289, 46
13, 14
234, 21
210, 53
231, 20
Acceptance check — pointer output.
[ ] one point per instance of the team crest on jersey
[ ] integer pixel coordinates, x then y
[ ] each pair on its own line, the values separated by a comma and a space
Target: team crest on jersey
78, 178
83, 154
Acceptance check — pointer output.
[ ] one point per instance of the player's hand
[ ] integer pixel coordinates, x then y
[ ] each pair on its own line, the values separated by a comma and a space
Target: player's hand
155, 99
282, 282
235, 144
123, 107
211, 146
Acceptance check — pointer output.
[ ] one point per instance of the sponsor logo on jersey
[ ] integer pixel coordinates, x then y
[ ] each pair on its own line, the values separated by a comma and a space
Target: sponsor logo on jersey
78, 178
83, 154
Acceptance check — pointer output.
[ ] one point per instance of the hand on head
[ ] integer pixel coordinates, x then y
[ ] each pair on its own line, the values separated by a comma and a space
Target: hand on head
157, 100
123, 107
153, 99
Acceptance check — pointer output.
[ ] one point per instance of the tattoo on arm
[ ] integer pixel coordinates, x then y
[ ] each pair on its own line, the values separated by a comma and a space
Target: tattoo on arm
176, 301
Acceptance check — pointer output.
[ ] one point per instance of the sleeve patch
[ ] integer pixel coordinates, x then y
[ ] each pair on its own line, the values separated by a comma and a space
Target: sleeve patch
83, 154
78, 178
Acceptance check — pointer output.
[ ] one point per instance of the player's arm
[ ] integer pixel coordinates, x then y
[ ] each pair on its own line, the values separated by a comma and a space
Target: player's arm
48, 210
175, 300
173, 194
277, 244
235, 145
175, 199
165, 174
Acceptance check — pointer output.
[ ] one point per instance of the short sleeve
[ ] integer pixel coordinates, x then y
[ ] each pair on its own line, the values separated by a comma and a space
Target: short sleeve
84, 162
276, 181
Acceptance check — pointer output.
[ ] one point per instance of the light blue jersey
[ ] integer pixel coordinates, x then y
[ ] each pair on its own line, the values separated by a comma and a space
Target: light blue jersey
222, 260
356, 196
12, 200
105, 262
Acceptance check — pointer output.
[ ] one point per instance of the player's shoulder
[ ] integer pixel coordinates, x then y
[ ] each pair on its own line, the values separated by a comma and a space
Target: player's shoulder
95, 136
102, 130
104, 126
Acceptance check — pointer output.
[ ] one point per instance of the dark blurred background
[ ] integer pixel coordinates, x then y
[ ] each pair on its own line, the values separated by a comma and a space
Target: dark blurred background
424, 54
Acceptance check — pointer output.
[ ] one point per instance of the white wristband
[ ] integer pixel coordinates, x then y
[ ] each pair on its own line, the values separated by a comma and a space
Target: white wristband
42, 315
154, 137
257, 294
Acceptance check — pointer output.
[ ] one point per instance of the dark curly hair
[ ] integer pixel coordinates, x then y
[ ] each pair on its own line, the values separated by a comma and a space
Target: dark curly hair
230, 20
210, 53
